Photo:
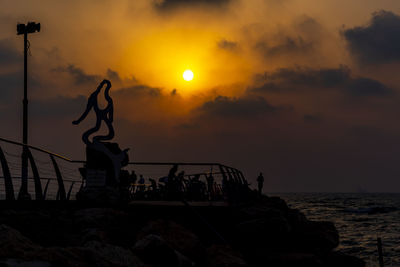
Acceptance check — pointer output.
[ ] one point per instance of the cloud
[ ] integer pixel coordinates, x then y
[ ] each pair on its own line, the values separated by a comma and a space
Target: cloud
113, 75
78, 74
223, 106
138, 90
287, 46
227, 45
59, 107
10, 83
8, 53
367, 87
377, 42
307, 79
312, 118
165, 5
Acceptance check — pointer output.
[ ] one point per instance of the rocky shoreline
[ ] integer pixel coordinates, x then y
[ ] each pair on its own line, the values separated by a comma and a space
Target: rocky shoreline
262, 232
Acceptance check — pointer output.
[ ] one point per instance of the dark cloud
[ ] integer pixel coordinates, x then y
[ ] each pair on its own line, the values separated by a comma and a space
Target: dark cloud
8, 53
301, 79
377, 42
223, 106
288, 46
10, 83
367, 87
113, 75
58, 107
308, 25
138, 90
227, 45
165, 5
78, 74
312, 118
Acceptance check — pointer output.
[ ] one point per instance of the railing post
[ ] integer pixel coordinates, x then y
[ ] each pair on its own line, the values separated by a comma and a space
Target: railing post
380, 253
36, 177
7, 177
45, 189
61, 188
243, 179
70, 190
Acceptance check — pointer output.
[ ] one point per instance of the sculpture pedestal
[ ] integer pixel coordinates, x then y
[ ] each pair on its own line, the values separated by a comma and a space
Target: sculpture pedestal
102, 173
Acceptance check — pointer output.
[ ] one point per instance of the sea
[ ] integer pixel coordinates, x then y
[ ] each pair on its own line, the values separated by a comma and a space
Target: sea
360, 219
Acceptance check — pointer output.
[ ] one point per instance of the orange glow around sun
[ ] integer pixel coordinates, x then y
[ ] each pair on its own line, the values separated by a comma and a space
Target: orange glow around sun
161, 57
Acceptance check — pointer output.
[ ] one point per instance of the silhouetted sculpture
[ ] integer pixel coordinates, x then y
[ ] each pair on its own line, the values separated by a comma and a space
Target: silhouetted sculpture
104, 160
105, 114
260, 181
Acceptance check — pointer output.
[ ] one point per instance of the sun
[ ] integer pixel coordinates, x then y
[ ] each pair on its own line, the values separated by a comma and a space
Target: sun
188, 75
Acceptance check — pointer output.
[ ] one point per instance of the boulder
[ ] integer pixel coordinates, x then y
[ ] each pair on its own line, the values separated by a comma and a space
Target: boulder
98, 217
117, 256
266, 232
68, 257
154, 250
289, 259
176, 236
224, 256
336, 259
13, 244
316, 236
22, 263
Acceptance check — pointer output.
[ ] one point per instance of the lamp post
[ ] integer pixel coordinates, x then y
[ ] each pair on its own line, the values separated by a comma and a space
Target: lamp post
31, 27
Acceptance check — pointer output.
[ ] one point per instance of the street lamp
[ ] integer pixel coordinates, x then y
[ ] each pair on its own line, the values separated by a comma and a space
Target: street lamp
31, 27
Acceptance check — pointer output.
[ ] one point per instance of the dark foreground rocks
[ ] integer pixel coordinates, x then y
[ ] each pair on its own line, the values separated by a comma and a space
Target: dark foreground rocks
264, 232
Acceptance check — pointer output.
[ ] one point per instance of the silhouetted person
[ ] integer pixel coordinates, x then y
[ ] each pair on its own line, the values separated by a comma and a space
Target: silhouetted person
153, 184
210, 185
260, 182
105, 114
172, 172
153, 193
141, 184
170, 185
132, 180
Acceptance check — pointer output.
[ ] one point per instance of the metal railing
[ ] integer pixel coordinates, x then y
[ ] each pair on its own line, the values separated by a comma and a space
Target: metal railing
55, 179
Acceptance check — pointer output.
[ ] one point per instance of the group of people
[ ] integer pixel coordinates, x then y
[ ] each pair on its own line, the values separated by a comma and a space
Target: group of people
196, 187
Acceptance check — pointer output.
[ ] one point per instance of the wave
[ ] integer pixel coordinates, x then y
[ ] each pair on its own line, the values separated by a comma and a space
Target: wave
371, 210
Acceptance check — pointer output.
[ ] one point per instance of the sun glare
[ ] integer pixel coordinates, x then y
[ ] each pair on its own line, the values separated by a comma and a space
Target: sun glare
188, 75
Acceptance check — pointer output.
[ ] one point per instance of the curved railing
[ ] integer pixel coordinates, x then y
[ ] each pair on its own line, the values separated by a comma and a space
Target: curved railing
40, 193
56, 178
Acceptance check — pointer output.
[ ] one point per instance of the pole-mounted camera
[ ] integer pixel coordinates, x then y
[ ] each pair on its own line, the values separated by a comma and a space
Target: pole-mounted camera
31, 27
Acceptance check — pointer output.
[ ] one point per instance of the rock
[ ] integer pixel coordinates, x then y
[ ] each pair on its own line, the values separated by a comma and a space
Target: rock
68, 257
289, 259
316, 236
106, 225
98, 217
296, 217
266, 232
176, 236
93, 234
224, 256
338, 259
116, 255
154, 250
20, 263
13, 244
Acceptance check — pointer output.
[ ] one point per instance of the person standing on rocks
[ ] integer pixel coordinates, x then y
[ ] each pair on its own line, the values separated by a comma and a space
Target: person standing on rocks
260, 182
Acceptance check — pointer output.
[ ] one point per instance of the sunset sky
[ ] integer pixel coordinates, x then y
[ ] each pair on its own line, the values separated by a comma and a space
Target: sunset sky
305, 91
